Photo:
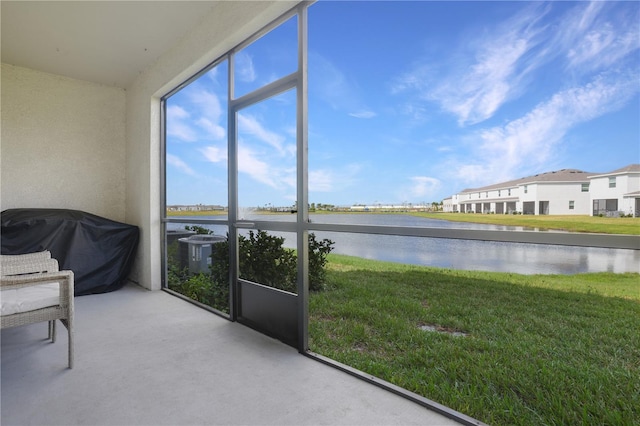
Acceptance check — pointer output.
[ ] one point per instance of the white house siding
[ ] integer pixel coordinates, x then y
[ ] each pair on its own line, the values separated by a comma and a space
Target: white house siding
558, 195
552, 192
628, 203
471, 201
599, 189
454, 204
504, 200
632, 203
529, 199
447, 205
625, 191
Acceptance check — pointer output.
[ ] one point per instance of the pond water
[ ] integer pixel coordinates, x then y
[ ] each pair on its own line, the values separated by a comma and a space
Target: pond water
456, 254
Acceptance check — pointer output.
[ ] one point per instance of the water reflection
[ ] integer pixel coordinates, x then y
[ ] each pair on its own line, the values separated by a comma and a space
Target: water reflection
486, 255
461, 254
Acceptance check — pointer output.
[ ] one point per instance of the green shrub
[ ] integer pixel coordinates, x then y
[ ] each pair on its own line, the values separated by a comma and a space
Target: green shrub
318, 251
262, 259
202, 287
200, 230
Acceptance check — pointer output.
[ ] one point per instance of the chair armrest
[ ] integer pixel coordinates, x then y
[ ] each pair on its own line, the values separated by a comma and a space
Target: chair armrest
40, 255
28, 265
64, 278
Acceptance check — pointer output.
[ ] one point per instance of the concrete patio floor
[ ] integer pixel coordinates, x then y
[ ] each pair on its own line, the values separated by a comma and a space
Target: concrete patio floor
149, 358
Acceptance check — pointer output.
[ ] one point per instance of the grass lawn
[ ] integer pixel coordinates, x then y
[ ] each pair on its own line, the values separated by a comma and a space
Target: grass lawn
605, 225
540, 349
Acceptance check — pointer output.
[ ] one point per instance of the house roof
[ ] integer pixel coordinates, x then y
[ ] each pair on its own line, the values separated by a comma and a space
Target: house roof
631, 168
564, 175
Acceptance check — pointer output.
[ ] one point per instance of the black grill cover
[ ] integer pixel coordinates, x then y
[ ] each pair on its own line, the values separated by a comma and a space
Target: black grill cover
99, 251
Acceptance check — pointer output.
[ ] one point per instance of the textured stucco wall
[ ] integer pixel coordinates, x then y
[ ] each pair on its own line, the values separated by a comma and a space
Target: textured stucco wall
63, 143
227, 25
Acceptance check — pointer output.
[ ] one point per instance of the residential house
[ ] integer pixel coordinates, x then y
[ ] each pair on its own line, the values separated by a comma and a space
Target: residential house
616, 192
562, 192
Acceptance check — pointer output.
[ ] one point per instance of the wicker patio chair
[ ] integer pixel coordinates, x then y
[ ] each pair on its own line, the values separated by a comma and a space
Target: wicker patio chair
32, 290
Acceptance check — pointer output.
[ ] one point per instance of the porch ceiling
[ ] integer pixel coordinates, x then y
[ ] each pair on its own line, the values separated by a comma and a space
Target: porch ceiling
106, 42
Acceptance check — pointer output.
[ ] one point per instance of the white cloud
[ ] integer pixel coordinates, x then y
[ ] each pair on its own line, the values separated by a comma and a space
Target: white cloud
207, 105
204, 114
176, 162
214, 130
498, 64
212, 74
335, 88
207, 102
530, 143
214, 154
292, 131
288, 177
257, 169
474, 85
416, 189
176, 112
331, 83
480, 174
178, 125
274, 175
244, 67
416, 78
479, 94
321, 181
423, 186
331, 180
363, 114
250, 125
594, 40
414, 111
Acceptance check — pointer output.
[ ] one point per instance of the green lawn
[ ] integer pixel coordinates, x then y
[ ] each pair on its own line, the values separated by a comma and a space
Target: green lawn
541, 349
605, 225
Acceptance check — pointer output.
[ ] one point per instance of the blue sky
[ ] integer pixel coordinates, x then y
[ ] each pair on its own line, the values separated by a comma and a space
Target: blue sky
411, 102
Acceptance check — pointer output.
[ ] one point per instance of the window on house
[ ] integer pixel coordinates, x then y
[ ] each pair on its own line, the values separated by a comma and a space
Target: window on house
585, 187
612, 182
526, 189
571, 205
509, 192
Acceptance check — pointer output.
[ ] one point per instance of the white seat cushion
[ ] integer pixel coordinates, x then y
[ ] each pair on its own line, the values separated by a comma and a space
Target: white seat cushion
29, 298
